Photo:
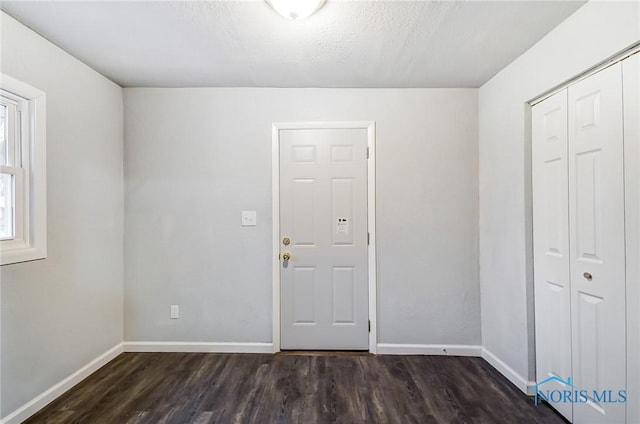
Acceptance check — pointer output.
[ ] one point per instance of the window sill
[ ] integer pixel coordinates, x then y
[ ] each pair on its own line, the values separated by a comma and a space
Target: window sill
25, 254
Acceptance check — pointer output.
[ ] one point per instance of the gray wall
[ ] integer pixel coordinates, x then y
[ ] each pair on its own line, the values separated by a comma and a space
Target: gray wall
194, 158
60, 313
506, 271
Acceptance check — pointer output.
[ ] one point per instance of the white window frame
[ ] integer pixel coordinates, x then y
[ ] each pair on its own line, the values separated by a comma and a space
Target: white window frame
30, 237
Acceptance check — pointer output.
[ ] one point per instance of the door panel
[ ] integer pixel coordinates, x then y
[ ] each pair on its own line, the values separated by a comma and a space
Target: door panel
588, 211
344, 286
304, 295
551, 244
596, 210
342, 210
302, 218
323, 211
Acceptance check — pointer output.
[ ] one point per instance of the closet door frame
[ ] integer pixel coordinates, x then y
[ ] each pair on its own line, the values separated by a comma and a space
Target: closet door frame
631, 106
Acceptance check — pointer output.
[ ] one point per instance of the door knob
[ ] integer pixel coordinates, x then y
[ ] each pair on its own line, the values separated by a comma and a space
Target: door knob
587, 276
286, 241
286, 256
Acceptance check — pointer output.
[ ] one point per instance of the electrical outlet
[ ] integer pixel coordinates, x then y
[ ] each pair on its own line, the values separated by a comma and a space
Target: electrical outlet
249, 218
175, 312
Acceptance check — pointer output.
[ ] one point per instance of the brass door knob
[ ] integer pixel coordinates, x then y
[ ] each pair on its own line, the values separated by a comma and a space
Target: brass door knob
286, 256
587, 276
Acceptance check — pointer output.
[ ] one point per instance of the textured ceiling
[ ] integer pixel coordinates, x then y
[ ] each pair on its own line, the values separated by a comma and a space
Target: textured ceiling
246, 44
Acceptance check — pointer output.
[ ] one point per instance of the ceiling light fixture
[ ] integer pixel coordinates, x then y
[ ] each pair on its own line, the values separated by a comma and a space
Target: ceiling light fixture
296, 9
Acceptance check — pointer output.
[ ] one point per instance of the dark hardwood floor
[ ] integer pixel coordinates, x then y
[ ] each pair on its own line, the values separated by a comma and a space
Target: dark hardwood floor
256, 388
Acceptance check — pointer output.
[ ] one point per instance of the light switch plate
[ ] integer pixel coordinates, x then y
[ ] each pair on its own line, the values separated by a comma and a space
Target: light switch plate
175, 312
249, 218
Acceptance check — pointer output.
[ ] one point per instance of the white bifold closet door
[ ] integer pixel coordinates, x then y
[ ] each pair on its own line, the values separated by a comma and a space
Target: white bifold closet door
551, 244
597, 242
579, 244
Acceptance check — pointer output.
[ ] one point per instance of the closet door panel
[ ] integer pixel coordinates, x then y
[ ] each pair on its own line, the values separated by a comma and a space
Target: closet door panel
551, 244
597, 243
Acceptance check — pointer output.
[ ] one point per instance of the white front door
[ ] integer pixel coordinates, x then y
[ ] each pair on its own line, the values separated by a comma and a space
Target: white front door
323, 233
596, 210
551, 245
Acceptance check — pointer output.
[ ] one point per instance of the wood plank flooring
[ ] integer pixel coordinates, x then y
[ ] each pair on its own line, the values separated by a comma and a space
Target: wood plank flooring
258, 388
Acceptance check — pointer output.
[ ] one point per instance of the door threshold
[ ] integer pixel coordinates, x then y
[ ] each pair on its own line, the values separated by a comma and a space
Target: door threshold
324, 353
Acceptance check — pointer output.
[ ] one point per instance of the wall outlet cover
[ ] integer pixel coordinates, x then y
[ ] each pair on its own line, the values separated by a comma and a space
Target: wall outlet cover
249, 218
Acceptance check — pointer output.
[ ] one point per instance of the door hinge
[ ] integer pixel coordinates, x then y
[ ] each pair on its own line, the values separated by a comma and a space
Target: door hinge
369, 326
368, 238
367, 152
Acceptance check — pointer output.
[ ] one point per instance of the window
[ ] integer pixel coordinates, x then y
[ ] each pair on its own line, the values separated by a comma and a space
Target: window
22, 172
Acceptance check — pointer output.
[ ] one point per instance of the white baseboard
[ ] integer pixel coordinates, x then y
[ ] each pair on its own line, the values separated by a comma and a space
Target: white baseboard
198, 347
527, 387
42, 400
428, 349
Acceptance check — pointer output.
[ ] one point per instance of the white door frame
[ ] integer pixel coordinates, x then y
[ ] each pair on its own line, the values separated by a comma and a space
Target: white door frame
370, 126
